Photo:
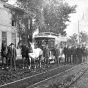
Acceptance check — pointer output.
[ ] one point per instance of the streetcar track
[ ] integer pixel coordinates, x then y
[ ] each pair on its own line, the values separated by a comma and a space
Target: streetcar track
47, 78
31, 76
58, 75
77, 78
51, 77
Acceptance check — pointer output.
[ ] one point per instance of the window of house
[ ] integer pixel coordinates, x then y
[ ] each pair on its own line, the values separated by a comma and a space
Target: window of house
4, 37
13, 23
14, 38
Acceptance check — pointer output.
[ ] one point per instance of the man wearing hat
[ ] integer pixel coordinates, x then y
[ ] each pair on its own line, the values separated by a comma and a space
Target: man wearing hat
79, 53
13, 57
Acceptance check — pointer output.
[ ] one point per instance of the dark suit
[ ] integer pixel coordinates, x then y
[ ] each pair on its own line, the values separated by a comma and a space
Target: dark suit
74, 54
79, 54
9, 54
84, 58
66, 54
4, 55
13, 58
46, 54
57, 53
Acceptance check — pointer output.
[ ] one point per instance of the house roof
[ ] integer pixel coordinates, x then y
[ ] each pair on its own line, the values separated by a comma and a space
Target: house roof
18, 9
14, 7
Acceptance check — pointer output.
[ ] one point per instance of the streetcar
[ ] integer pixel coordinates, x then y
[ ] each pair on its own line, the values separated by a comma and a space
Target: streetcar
51, 39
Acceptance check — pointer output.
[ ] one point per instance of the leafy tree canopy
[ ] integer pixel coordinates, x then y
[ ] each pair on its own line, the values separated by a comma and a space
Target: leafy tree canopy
50, 15
82, 38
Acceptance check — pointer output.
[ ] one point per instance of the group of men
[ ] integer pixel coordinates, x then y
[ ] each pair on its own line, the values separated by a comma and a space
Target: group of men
9, 54
75, 54
71, 54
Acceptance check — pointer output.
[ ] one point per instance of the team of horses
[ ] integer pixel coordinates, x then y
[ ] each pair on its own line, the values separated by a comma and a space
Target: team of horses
34, 56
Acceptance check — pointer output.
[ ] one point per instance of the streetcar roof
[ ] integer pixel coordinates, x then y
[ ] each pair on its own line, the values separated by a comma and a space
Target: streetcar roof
44, 35
50, 35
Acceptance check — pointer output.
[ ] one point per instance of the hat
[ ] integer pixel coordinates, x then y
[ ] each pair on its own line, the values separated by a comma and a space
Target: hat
43, 45
11, 44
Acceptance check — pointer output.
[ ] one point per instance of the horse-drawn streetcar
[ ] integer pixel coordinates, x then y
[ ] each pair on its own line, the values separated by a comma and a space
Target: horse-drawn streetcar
50, 39
47, 38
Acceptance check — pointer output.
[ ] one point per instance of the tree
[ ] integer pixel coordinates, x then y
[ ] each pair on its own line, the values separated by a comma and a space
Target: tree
73, 39
56, 14
50, 15
83, 38
34, 9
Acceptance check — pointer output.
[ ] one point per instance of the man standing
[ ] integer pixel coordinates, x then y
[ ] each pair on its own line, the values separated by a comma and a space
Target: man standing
83, 53
79, 53
74, 54
60, 54
69, 54
66, 53
13, 57
46, 54
57, 53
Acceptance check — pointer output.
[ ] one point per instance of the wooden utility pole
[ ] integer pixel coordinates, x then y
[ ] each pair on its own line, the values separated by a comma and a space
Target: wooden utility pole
79, 29
78, 33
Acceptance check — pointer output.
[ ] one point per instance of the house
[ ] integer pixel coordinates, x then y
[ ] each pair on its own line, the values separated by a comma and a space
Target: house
8, 27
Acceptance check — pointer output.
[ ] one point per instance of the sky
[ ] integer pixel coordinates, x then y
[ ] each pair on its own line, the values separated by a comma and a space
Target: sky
12, 1
80, 15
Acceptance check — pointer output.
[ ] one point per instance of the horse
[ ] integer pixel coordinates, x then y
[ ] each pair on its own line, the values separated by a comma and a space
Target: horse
24, 51
36, 55
4, 51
